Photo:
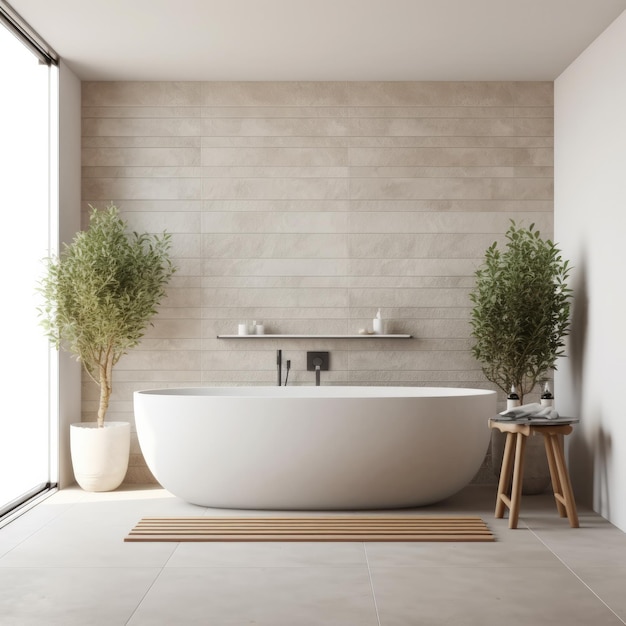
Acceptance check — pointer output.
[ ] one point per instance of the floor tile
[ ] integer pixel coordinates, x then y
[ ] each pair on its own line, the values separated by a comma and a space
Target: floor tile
524, 551
267, 554
262, 596
71, 596
609, 583
599, 546
550, 596
17, 531
59, 560
84, 546
92, 532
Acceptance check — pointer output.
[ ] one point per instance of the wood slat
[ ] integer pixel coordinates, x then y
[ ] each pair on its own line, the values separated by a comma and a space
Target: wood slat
342, 528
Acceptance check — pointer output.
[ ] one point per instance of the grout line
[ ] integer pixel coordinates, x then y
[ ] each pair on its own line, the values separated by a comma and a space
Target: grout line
143, 597
574, 573
149, 589
369, 573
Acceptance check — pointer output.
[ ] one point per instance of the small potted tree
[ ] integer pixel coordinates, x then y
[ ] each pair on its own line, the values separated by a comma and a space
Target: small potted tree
99, 296
521, 313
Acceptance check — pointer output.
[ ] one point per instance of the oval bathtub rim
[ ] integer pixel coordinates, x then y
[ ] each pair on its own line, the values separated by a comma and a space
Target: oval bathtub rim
308, 391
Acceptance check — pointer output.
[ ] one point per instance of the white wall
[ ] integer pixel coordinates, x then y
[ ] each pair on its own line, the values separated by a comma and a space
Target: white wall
590, 221
69, 223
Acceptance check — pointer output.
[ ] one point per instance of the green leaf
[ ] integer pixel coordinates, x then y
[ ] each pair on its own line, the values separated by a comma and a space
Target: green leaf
521, 309
101, 292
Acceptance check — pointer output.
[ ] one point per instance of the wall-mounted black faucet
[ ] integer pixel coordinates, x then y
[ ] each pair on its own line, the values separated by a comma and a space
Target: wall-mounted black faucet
317, 362
318, 368
279, 366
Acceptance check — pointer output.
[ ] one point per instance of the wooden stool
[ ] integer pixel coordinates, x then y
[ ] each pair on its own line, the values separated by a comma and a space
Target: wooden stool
513, 466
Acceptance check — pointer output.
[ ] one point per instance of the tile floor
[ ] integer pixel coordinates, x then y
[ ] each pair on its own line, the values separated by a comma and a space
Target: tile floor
65, 562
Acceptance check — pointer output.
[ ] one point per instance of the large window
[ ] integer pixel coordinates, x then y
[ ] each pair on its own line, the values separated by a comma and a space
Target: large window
26, 368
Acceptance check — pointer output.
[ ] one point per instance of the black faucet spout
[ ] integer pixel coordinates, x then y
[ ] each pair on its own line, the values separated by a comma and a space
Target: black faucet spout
317, 362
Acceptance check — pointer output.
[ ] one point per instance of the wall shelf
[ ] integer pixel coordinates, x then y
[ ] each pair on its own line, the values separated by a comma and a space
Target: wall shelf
277, 336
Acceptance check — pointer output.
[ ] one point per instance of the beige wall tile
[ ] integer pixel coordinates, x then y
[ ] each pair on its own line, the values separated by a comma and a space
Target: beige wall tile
264, 205
180, 340
276, 267
410, 282
450, 141
273, 171
401, 245
274, 222
277, 141
288, 298
255, 94
140, 142
277, 246
275, 127
468, 156
408, 297
156, 205
151, 94
451, 127
451, 94
107, 189
275, 188
273, 315
450, 111
452, 188
308, 206
445, 223
292, 282
187, 223
141, 111
186, 246
455, 205
142, 127
272, 157
136, 157
171, 360
162, 171
267, 112
185, 298
442, 171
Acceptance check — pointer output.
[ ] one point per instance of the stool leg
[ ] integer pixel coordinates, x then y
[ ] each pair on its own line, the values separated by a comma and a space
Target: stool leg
554, 472
518, 474
566, 486
505, 473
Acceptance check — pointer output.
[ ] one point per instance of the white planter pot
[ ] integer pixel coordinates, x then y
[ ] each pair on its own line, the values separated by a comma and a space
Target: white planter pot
100, 455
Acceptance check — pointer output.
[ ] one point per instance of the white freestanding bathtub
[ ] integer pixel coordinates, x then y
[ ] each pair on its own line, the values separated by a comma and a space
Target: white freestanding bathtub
314, 447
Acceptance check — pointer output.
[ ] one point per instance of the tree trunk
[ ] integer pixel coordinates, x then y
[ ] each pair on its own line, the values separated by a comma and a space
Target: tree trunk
105, 394
105, 391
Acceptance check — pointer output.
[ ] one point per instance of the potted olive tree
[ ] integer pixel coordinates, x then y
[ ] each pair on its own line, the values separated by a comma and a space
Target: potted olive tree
99, 296
521, 313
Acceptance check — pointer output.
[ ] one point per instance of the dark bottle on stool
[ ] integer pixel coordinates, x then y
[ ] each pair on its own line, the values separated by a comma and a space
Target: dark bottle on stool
547, 399
512, 400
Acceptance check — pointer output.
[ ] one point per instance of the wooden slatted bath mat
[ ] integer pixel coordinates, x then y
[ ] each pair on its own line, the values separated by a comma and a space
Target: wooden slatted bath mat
339, 528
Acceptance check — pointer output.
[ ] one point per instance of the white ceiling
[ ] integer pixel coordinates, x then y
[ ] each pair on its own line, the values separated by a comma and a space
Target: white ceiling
319, 39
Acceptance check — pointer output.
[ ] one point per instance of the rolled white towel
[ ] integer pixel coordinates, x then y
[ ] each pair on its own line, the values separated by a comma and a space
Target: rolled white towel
533, 409
547, 412
523, 411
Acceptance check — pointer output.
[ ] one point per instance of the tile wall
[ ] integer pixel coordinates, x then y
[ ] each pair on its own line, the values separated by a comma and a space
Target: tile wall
307, 206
